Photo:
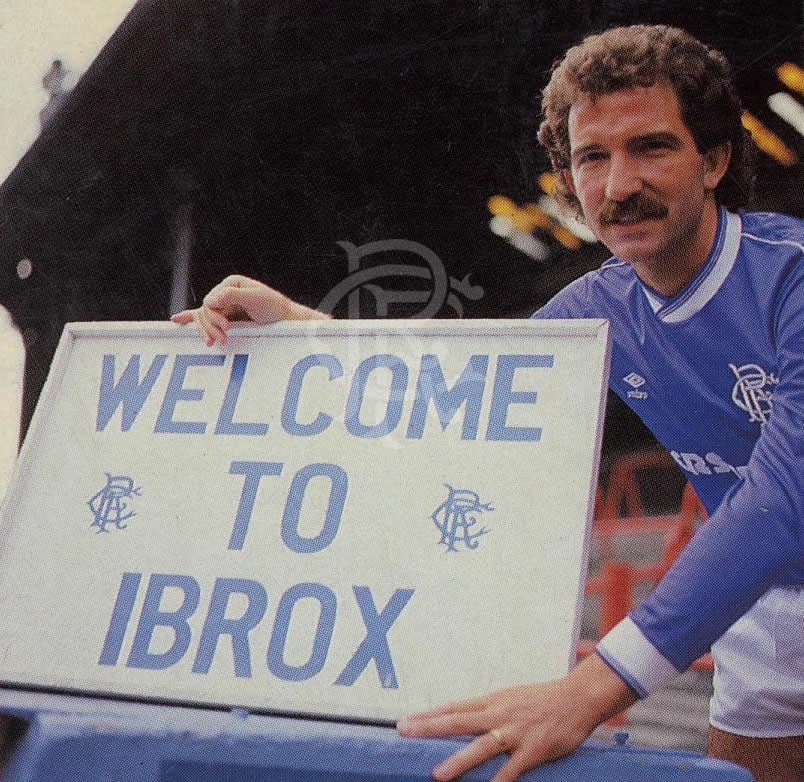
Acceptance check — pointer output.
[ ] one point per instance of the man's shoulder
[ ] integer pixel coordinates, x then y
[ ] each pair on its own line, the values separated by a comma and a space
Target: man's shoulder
587, 296
766, 230
771, 258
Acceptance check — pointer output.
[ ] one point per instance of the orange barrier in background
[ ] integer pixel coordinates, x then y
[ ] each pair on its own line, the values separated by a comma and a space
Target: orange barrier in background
620, 513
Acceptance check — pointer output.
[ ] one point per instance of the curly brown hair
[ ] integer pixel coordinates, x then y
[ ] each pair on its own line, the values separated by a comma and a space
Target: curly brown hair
640, 56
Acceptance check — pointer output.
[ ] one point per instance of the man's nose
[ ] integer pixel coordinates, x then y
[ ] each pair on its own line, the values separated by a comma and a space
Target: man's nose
623, 178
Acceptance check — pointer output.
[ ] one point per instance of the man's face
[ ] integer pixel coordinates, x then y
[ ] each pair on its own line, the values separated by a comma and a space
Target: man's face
644, 188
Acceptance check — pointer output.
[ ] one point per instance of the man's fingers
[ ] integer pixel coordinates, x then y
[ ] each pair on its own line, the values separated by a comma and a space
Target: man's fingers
212, 326
222, 294
234, 281
240, 281
183, 317
451, 724
520, 761
217, 319
524, 756
473, 754
536, 746
261, 305
456, 707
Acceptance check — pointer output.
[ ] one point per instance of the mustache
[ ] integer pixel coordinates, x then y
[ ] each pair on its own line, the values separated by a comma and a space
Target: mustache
636, 207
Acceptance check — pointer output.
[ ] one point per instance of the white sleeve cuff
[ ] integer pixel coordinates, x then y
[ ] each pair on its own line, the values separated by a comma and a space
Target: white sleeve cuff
626, 649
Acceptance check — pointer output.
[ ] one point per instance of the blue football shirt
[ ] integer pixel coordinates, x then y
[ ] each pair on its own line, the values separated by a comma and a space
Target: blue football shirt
717, 373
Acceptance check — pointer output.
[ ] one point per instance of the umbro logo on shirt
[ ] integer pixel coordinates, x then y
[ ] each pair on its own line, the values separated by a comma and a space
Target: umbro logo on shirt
635, 381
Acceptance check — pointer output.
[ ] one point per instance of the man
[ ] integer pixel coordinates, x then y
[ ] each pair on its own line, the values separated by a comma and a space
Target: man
707, 309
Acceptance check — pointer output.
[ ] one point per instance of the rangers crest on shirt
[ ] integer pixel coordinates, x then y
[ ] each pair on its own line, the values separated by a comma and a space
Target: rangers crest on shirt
752, 391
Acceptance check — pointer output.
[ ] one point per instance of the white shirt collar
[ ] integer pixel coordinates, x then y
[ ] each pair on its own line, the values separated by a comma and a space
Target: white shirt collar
708, 281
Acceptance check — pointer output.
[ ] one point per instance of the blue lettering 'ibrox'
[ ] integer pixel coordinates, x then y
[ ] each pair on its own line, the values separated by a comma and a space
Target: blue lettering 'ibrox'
373, 647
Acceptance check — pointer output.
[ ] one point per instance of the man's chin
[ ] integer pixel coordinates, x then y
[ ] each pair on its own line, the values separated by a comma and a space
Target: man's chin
630, 241
634, 251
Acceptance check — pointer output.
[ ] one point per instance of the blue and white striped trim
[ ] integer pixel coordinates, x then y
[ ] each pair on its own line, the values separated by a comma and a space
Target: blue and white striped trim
787, 242
712, 276
637, 661
655, 302
710, 283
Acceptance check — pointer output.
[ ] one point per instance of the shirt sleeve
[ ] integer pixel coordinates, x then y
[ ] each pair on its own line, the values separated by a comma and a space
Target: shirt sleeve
752, 542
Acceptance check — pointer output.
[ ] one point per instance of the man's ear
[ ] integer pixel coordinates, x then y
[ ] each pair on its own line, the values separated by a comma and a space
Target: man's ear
566, 175
716, 163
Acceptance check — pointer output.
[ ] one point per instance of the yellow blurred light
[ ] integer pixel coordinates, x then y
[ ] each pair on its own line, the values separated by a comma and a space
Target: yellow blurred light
751, 123
547, 181
768, 141
551, 207
511, 220
501, 205
792, 76
539, 217
522, 221
567, 238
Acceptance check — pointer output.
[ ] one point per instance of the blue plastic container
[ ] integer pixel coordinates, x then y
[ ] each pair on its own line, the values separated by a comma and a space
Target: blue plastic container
73, 739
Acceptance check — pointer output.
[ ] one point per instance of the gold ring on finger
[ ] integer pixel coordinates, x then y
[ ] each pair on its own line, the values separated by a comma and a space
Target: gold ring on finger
499, 736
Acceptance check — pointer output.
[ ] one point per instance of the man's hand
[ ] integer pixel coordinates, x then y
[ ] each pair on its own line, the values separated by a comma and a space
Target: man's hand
239, 299
533, 723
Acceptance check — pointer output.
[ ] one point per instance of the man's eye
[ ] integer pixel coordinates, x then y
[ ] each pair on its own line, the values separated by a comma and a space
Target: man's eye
655, 146
590, 157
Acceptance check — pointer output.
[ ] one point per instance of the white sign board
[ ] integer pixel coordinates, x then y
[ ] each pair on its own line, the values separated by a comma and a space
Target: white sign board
352, 519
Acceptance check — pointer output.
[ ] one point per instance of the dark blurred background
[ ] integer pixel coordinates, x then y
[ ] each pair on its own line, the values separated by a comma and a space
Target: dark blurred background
252, 136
